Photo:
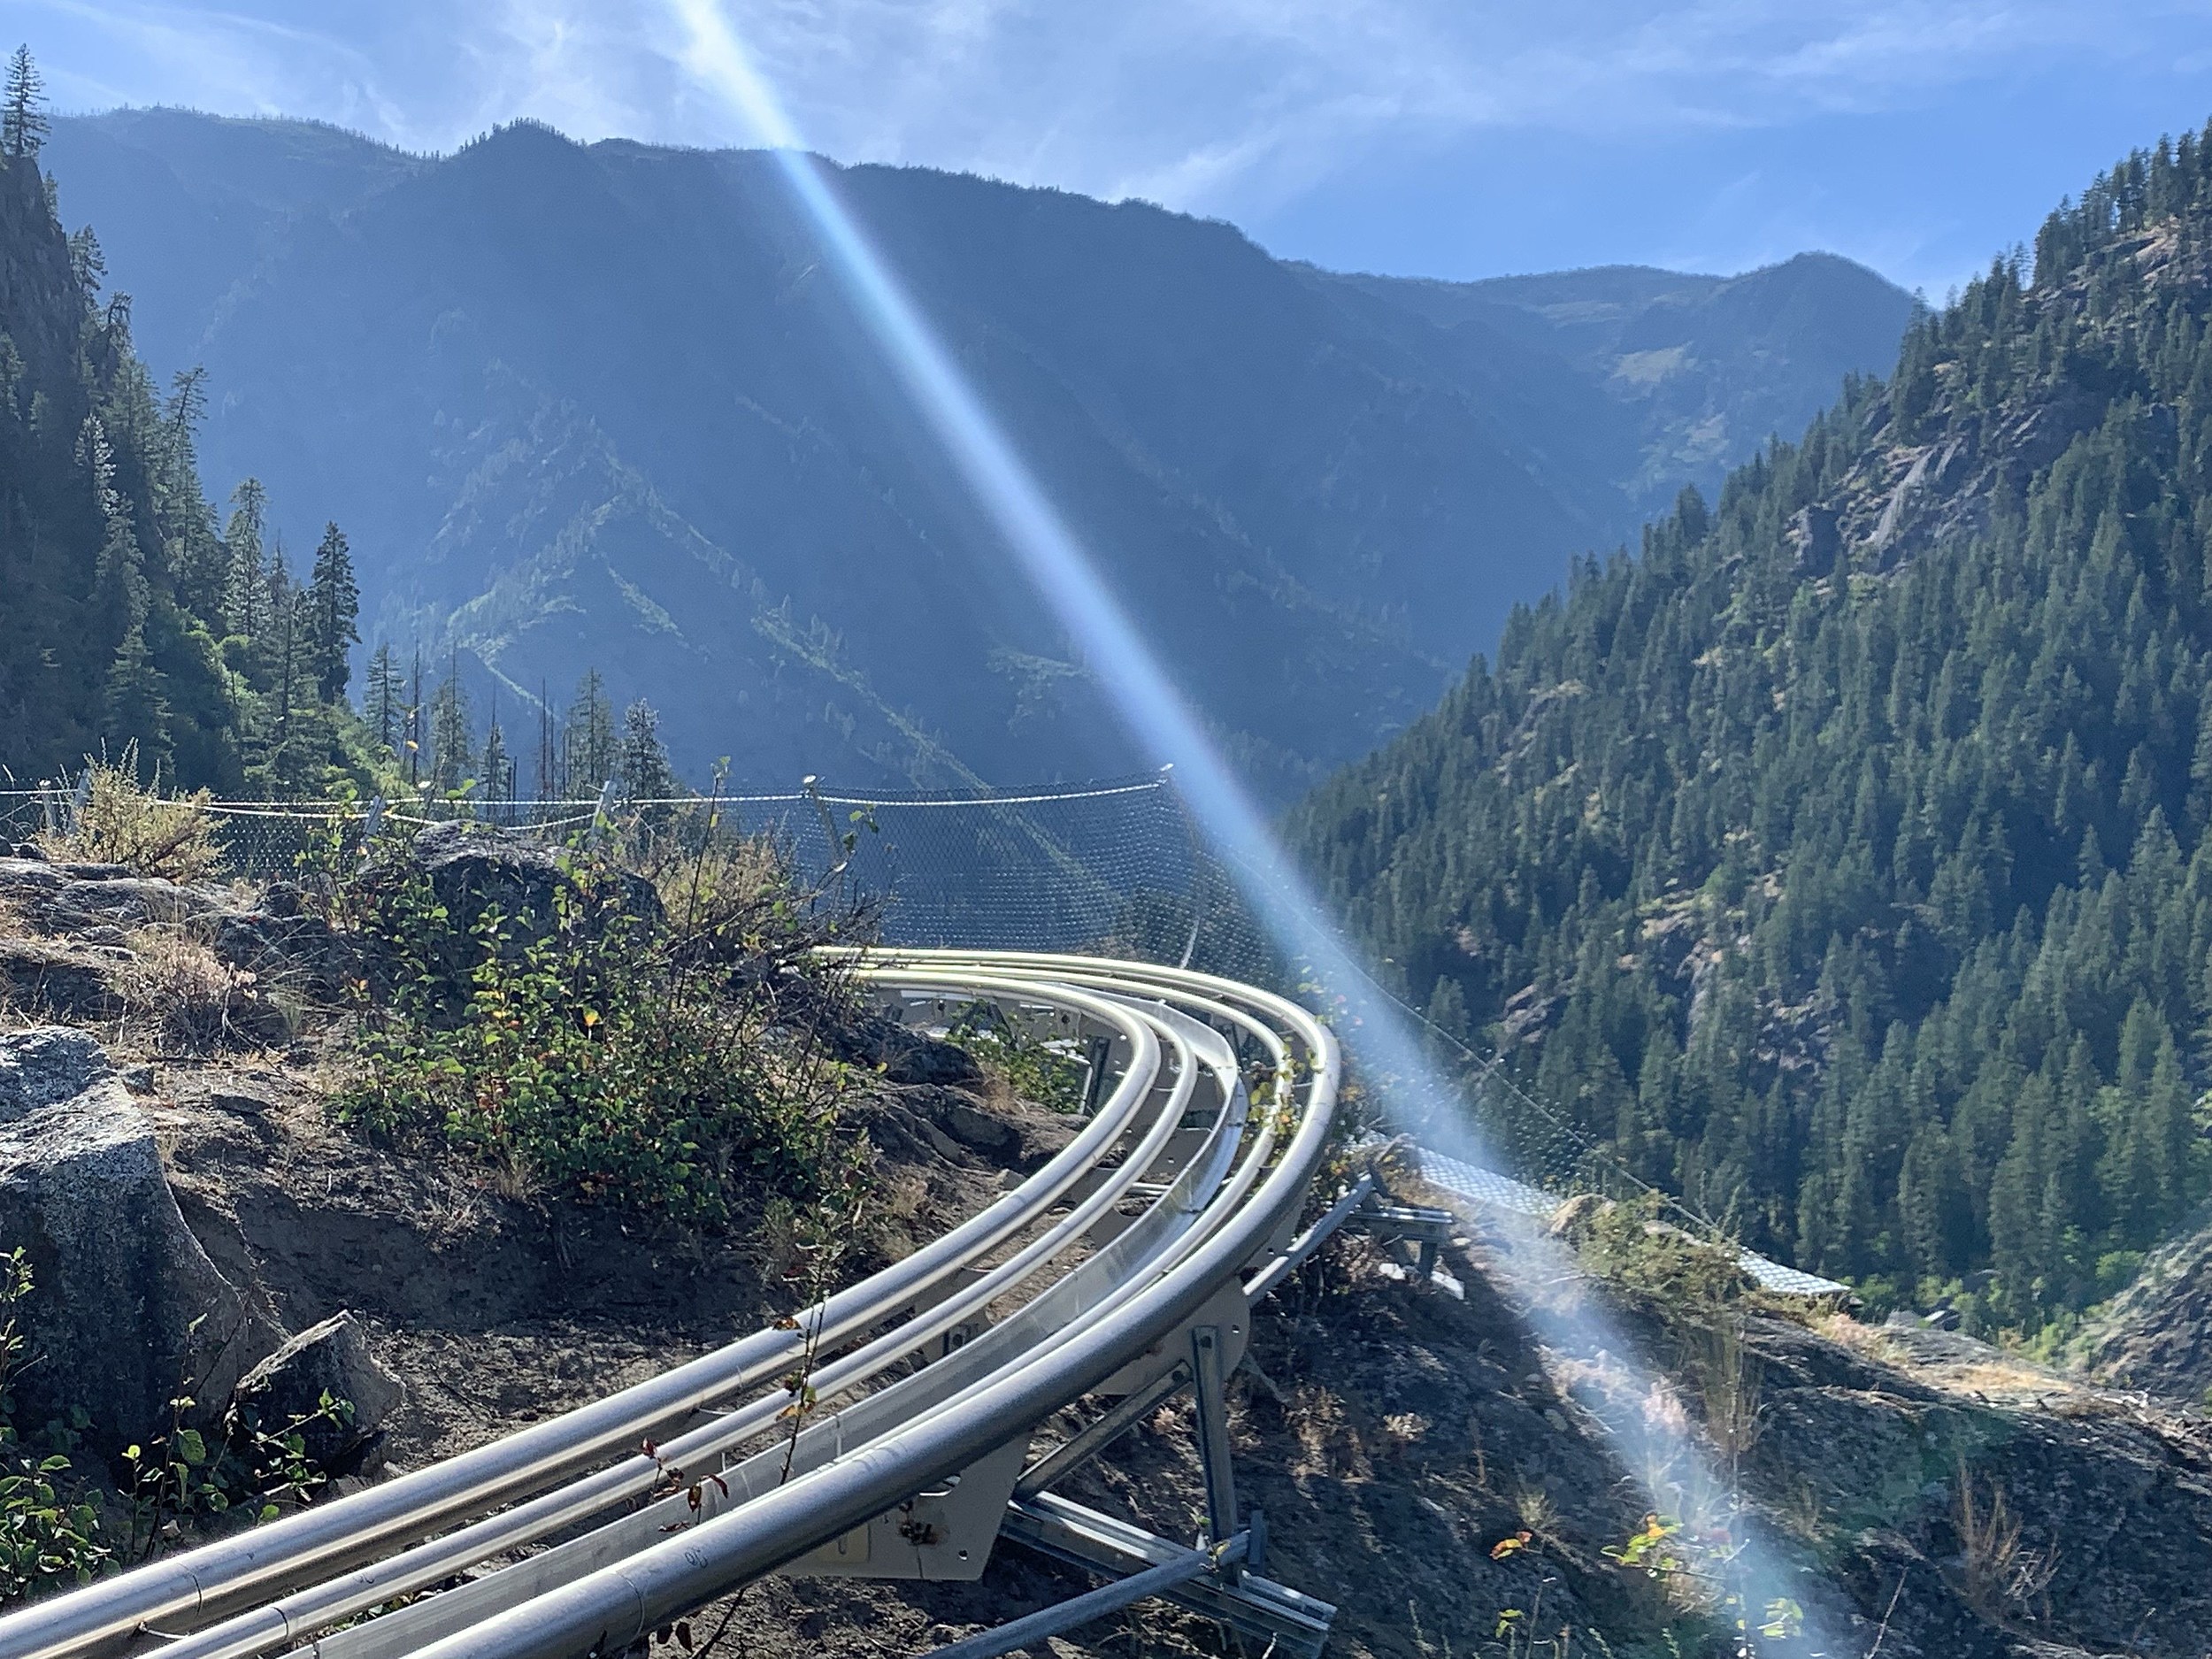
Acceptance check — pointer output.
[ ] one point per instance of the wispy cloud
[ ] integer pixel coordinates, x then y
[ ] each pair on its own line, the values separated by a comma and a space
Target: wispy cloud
1226, 105
1232, 107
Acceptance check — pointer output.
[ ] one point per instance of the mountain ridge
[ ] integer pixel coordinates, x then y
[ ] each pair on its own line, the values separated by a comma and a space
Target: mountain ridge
1309, 493
1841, 860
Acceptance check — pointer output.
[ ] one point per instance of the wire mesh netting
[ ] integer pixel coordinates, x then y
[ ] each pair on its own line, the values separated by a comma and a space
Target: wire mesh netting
1110, 868
1116, 868
1113, 868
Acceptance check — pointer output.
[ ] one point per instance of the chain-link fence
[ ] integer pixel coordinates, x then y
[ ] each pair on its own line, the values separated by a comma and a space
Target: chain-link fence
1113, 868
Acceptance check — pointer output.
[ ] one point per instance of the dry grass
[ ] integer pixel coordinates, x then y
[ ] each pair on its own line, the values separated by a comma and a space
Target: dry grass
124, 823
193, 1002
898, 1215
2002, 1579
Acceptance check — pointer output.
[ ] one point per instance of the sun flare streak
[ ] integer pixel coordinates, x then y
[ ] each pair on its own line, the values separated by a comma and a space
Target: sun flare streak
1149, 701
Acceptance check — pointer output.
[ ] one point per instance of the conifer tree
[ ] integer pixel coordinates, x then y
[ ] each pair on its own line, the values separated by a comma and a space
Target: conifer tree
451, 760
246, 588
87, 263
551, 785
135, 714
333, 603
23, 120
290, 663
385, 703
592, 754
496, 768
197, 554
642, 768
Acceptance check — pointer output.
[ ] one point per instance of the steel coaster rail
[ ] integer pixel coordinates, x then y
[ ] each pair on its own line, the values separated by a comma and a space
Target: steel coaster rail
403, 1630
321, 1604
185, 1589
606, 1609
394, 1633
1232, 1195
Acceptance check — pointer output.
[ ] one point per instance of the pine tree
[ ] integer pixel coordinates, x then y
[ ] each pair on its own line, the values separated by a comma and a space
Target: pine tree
23, 121
135, 714
197, 556
290, 673
642, 768
497, 769
385, 703
333, 603
549, 780
246, 587
592, 754
87, 263
452, 764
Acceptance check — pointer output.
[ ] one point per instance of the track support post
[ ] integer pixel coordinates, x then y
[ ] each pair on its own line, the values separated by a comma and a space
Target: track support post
1213, 1439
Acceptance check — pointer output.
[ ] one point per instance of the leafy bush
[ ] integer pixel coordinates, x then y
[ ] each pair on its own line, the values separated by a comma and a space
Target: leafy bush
1036, 1071
181, 1475
49, 1536
672, 1068
151, 834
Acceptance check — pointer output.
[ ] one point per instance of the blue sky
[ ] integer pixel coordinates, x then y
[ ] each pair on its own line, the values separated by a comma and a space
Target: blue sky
1415, 136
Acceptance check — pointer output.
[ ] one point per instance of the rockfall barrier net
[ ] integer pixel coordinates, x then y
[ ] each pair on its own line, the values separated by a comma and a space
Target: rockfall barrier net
1113, 868
1103, 868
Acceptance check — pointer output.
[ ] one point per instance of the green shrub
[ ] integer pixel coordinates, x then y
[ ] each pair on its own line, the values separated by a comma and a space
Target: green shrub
608, 1053
1037, 1072
123, 822
50, 1536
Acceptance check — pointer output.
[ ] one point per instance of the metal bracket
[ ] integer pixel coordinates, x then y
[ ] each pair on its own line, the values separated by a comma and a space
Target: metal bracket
1225, 1309
1293, 1623
1110, 1426
941, 1534
1428, 1230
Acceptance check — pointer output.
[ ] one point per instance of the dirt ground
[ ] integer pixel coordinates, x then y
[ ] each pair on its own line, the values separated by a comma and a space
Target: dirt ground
1422, 1460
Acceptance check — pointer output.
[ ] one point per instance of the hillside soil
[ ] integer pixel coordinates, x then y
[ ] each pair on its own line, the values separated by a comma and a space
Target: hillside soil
1395, 1433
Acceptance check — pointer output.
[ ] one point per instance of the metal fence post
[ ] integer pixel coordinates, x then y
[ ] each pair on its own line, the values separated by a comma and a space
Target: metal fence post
78, 800
602, 813
1213, 1436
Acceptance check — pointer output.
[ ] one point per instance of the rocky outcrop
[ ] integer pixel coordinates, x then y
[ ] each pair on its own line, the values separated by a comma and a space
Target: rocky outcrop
46, 1065
331, 1362
474, 868
83, 900
125, 1311
2156, 1335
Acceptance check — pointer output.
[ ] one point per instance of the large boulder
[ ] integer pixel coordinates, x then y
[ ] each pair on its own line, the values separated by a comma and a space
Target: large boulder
474, 868
126, 1310
48, 1064
286, 1391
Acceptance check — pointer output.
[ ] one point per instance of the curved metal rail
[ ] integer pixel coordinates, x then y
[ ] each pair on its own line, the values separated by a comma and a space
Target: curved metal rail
1175, 1204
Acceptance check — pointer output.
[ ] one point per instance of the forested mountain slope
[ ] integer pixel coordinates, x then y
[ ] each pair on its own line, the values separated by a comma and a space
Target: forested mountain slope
605, 404
1842, 859
130, 627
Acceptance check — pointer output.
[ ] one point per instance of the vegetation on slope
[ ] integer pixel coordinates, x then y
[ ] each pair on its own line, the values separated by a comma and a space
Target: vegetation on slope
1840, 861
666, 1043
130, 619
